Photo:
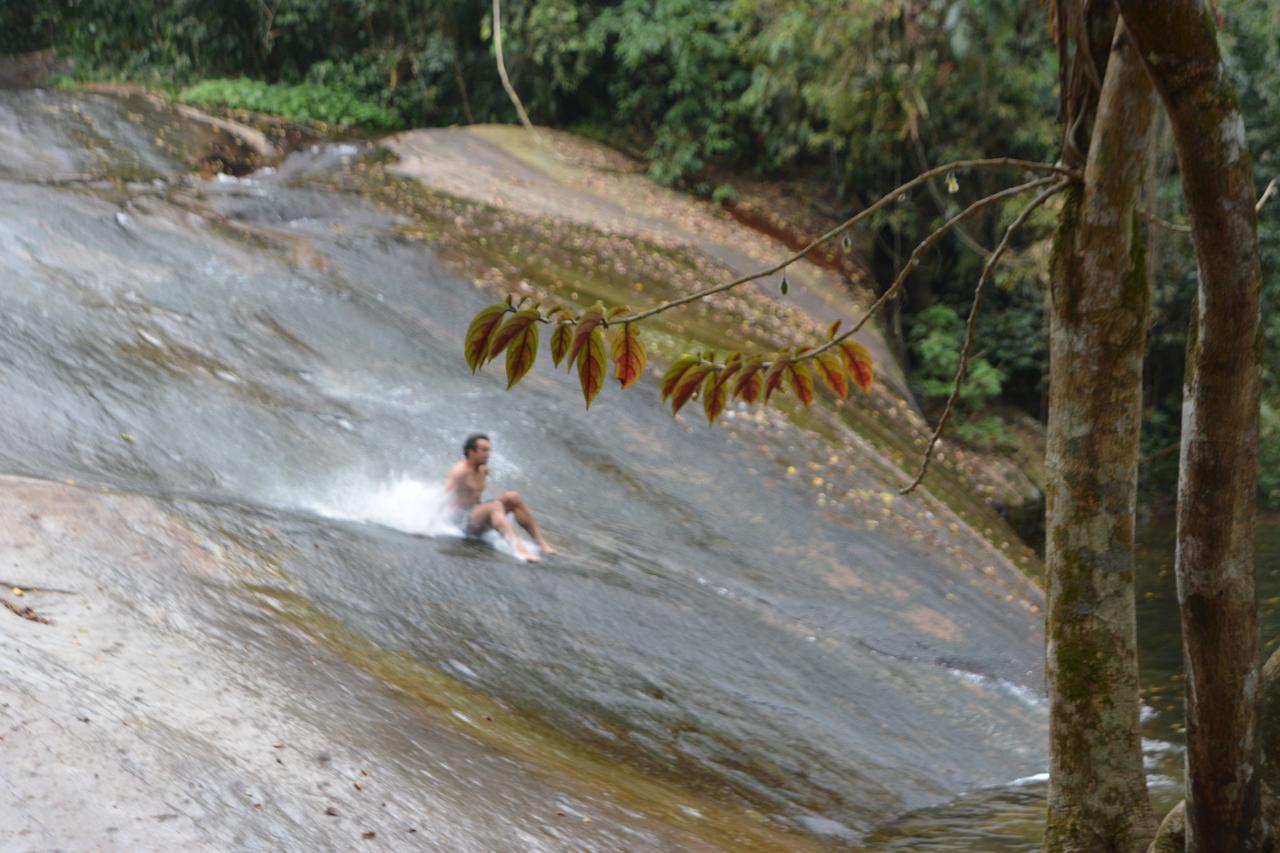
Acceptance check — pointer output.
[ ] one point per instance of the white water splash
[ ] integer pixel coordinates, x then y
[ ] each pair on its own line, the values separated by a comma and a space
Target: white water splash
405, 504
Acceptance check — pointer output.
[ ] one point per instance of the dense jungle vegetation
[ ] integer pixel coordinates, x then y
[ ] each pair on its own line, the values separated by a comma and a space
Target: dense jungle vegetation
841, 101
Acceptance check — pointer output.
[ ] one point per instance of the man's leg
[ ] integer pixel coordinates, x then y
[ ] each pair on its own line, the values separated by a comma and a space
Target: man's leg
512, 502
494, 514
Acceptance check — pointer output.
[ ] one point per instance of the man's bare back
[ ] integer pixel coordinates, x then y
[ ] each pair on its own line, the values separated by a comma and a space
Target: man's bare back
465, 486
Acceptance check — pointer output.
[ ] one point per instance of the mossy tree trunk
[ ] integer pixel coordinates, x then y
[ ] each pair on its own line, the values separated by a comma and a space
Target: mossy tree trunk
1100, 310
1218, 469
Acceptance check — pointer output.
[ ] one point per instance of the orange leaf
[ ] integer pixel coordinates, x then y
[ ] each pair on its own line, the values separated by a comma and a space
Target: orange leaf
858, 360
521, 354
801, 381
714, 395
480, 334
560, 340
773, 378
831, 369
628, 356
688, 384
587, 323
677, 369
750, 382
516, 324
591, 365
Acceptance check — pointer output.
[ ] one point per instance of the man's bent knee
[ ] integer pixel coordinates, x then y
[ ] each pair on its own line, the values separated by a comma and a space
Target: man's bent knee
511, 500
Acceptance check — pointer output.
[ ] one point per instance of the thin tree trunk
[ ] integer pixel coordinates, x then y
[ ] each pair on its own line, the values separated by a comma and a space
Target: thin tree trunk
1218, 470
1100, 309
502, 67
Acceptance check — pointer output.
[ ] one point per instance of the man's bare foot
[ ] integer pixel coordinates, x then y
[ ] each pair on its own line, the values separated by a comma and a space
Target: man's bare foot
524, 554
545, 548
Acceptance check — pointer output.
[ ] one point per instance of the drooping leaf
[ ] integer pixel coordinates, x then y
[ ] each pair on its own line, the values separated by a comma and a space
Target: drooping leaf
750, 382
521, 353
832, 371
833, 329
784, 287
715, 394
628, 356
587, 323
480, 334
617, 311
674, 373
688, 385
845, 242
801, 380
774, 376
592, 365
858, 361
560, 340
514, 325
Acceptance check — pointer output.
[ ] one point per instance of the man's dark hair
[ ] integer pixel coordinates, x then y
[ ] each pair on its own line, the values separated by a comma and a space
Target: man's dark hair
471, 442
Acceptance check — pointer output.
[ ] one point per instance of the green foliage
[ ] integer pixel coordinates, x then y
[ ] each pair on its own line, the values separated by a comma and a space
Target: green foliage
306, 101
935, 343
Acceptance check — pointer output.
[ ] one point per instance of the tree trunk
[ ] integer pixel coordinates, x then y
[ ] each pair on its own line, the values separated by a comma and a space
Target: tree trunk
1099, 316
1218, 471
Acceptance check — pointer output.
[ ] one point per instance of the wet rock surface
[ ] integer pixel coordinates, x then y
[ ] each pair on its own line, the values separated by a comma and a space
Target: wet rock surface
250, 381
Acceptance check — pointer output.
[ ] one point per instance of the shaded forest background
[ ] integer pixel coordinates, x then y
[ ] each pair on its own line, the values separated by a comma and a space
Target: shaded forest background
838, 102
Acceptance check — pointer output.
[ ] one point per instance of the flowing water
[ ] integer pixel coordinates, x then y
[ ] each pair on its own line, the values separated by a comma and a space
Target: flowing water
279, 372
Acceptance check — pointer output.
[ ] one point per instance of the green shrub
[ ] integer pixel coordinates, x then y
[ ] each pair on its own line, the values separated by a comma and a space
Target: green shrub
306, 101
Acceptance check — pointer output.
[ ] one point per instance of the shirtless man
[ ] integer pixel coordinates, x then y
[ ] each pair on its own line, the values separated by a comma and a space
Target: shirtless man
465, 485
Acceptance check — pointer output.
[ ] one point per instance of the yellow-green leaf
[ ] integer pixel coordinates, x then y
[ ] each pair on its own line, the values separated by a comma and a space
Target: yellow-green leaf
858, 361
831, 369
521, 353
515, 324
587, 323
561, 337
715, 394
628, 356
617, 311
834, 329
480, 334
688, 385
774, 376
591, 365
801, 381
677, 369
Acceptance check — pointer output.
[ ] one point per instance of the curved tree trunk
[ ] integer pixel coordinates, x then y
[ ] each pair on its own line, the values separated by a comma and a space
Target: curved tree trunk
1218, 473
1100, 309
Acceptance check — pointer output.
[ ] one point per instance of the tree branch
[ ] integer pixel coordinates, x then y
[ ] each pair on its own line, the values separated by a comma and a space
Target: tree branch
1040, 199
502, 68
1186, 229
883, 201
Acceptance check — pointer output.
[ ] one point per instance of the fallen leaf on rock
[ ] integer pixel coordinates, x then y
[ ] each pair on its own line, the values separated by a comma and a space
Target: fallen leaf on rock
331, 811
278, 744
369, 834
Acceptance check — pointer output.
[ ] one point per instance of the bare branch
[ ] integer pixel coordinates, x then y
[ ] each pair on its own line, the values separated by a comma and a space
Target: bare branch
883, 201
972, 324
1186, 229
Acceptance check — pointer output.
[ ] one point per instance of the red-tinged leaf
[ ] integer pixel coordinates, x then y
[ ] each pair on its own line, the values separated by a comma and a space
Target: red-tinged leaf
688, 385
587, 323
831, 369
480, 334
628, 356
834, 329
521, 353
560, 340
672, 377
715, 393
801, 381
858, 361
592, 365
750, 382
774, 376
515, 324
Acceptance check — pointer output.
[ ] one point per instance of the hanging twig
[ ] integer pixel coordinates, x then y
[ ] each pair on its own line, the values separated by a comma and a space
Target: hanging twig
972, 325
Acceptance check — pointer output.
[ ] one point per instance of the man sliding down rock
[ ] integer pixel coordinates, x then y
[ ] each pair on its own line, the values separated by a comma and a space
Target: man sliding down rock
465, 485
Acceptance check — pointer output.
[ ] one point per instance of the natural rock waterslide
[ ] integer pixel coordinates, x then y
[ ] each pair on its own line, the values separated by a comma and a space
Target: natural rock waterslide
227, 402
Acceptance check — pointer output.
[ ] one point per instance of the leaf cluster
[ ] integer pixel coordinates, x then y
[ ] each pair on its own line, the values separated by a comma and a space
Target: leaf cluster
588, 342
